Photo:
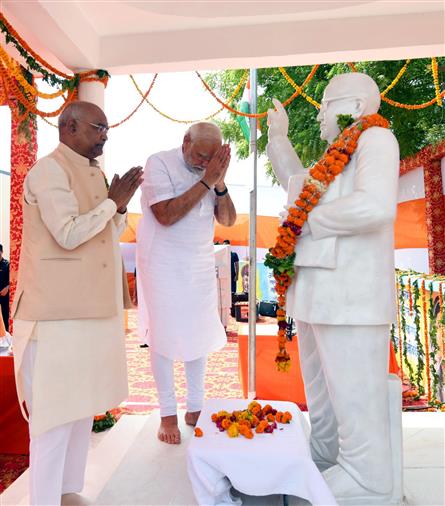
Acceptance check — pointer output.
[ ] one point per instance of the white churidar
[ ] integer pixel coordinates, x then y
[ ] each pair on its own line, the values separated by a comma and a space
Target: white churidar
163, 373
58, 456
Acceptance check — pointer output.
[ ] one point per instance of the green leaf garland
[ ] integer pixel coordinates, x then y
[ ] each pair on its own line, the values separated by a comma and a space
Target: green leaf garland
420, 348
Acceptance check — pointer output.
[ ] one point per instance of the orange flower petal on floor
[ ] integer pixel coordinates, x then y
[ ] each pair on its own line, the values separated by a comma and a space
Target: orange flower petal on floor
198, 432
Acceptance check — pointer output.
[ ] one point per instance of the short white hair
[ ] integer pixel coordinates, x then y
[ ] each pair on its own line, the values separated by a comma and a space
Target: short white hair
75, 110
203, 130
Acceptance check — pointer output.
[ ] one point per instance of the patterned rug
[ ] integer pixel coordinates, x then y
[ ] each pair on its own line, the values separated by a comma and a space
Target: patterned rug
11, 467
221, 376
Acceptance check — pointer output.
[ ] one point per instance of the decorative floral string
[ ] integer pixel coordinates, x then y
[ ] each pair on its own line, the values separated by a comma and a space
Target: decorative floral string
410, 296
259, 115
420, 349
408, 365
396, 79
434, 350
188, 121
399, 326
138, 106
300, 88
435, 72
426, 340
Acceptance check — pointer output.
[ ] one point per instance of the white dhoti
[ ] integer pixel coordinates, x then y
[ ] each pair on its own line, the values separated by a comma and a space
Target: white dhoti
67, 371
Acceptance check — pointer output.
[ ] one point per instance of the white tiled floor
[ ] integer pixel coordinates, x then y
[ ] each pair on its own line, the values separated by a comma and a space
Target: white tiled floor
128, 466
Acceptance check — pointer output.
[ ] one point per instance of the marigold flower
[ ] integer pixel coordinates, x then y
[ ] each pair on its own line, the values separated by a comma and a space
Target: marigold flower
267, 409
261, 426
233, 430
198, 432
245, 431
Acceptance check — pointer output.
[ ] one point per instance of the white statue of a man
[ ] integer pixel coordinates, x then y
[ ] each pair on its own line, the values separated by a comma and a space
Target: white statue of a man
343, 294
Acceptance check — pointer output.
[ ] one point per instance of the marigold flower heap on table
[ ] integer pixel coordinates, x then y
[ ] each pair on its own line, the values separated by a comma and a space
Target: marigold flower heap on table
254, 419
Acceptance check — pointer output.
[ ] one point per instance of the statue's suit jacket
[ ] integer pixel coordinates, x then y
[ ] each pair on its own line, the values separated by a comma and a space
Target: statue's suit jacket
345, 255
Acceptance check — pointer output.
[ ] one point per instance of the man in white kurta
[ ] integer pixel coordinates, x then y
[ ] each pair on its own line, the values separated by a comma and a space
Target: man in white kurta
69, 367
183, 191
343, 295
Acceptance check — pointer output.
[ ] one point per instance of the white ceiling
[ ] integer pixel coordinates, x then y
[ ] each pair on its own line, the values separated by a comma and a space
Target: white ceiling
136, 36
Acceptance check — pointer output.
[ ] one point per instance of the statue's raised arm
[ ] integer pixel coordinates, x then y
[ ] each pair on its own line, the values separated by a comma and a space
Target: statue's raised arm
284, 159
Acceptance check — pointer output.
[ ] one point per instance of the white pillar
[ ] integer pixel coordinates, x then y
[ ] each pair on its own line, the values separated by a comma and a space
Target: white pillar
94, 92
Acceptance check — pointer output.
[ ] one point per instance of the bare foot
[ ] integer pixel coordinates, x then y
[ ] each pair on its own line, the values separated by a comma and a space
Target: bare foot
191, 418
169, 431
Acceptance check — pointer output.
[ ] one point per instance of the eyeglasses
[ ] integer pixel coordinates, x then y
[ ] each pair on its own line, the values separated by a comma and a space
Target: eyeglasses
325, 101
102, 129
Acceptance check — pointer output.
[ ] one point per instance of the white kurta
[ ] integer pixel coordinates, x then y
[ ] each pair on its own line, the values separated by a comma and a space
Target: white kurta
80, 367
176, 265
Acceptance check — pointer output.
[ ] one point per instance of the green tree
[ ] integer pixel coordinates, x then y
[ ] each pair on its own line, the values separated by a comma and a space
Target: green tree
414, 129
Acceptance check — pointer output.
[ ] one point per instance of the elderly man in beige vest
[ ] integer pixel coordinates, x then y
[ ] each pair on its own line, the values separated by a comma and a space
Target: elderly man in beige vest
68, 310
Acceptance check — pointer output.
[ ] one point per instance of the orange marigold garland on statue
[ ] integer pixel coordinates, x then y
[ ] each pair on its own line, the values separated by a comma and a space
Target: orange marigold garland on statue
281, 257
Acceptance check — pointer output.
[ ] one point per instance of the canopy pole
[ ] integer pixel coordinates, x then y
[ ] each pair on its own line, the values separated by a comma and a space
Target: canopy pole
252, 240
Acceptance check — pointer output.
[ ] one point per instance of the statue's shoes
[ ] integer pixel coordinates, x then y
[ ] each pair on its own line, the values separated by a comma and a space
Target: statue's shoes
348, 492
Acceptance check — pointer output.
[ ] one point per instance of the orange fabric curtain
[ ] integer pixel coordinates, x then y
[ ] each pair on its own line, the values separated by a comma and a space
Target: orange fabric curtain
410, 228
238, 235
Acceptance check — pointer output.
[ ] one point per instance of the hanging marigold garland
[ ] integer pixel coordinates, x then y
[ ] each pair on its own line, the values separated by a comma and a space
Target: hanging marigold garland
138, 106
396, 79
435, 72
410, 296
426, 341
300, 88
434, 350
262, 114
420, 348
399, 327
23, 47
281, 257
408, 365
188, 121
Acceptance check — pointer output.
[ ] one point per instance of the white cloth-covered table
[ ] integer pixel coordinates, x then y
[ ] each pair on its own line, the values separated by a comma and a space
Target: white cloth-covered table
278, 463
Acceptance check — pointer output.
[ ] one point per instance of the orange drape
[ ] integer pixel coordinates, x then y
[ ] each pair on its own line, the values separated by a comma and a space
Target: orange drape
410, 228
271, 384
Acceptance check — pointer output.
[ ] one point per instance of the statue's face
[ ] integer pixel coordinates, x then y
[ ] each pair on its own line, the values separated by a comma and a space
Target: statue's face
333, 104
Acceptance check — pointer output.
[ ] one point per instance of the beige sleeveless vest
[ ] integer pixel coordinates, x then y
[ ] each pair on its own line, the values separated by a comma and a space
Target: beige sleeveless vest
59, 284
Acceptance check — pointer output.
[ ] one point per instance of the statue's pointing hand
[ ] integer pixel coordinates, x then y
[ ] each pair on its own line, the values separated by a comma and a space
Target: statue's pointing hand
277, 120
